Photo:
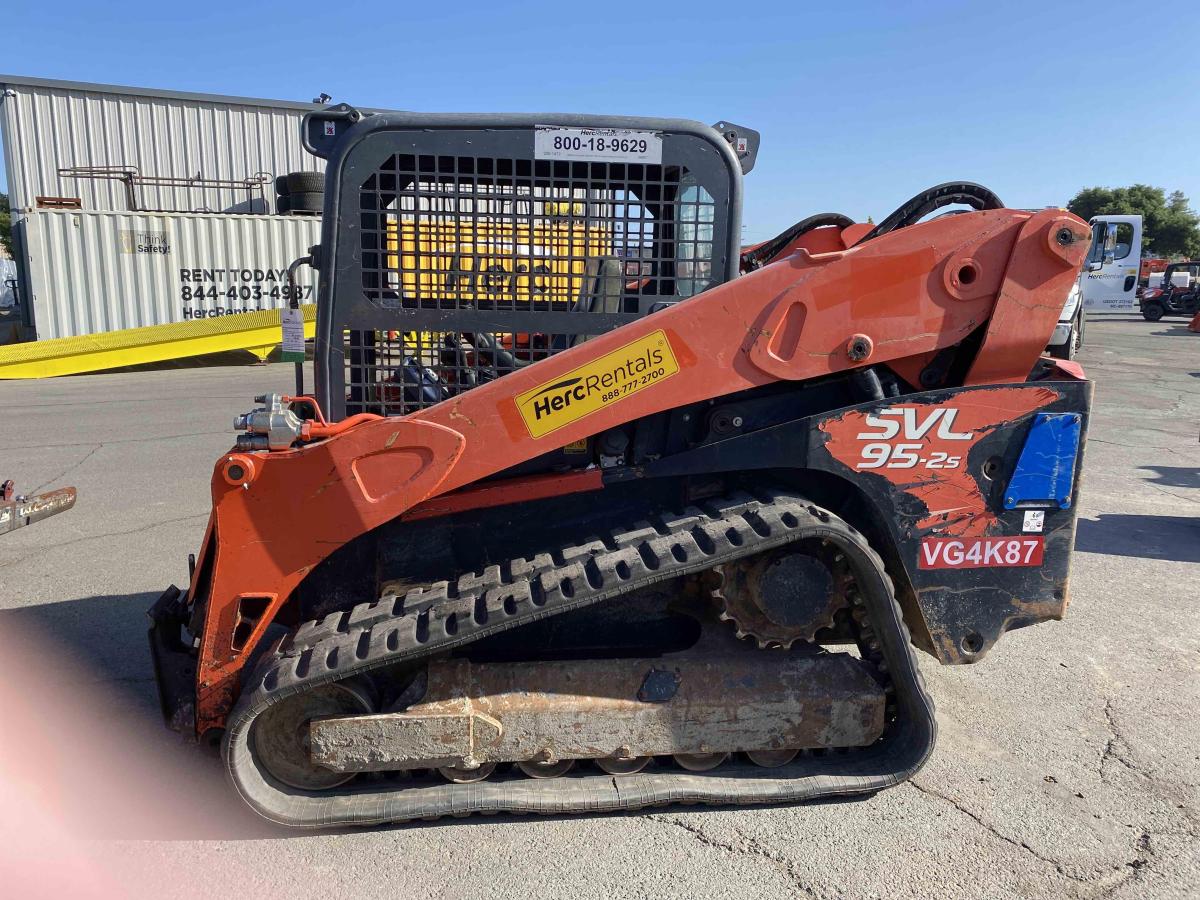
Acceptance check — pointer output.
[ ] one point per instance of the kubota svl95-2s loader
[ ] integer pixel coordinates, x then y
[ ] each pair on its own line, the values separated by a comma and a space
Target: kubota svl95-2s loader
591, 510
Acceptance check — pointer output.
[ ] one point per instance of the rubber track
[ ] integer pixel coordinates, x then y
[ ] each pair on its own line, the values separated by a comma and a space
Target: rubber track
439, 617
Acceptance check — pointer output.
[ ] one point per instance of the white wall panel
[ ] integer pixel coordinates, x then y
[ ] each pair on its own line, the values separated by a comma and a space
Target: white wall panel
103, 271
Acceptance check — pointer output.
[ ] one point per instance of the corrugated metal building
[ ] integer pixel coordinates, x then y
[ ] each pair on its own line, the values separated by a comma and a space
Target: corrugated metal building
104, 271
101, 254
49, 125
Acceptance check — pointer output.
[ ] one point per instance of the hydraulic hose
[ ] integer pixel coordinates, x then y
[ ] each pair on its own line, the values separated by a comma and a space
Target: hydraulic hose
967, 193
767, 251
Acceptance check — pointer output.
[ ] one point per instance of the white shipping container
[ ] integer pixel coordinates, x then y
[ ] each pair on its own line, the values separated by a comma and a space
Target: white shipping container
104, 271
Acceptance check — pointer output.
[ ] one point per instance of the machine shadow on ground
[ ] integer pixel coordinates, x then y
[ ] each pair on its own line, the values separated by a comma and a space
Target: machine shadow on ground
102, 636
1172, 538
76, 679
1174, 476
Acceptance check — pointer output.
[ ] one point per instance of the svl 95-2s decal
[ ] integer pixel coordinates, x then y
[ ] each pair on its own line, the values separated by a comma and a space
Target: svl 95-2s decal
923, 449
915, 425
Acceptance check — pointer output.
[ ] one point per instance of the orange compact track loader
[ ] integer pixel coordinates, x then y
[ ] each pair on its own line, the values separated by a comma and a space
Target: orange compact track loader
591, 509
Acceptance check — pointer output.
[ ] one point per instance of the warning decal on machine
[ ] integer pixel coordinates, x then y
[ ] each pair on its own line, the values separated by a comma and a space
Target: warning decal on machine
978, 553
595, 385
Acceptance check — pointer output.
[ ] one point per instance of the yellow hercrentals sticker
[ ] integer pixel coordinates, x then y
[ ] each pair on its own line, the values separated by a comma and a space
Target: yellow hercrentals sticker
600, 383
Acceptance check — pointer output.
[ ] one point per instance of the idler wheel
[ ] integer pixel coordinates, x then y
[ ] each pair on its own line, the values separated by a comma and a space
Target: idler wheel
280, 736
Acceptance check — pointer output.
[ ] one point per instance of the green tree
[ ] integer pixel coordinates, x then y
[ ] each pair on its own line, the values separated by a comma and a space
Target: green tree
1169, 226
6, 224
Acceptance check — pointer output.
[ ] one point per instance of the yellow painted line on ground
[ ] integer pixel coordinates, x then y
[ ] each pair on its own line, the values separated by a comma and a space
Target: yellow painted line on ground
257, 332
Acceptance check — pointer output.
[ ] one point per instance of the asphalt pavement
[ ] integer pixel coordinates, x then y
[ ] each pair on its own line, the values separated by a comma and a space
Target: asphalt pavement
1068, 762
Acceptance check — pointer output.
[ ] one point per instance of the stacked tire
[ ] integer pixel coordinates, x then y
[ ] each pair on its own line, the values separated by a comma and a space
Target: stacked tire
300, 193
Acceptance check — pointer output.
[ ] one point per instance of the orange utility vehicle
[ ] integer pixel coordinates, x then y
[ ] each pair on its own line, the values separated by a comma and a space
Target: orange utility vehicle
589, 510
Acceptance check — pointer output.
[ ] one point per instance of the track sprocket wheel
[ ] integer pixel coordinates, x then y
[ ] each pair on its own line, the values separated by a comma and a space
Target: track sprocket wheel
783, 596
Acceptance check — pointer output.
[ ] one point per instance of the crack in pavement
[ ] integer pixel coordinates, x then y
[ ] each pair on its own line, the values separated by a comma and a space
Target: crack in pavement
1136, 867
1058, 866
69, 469
1126, 873
1170, 493
751, 848
1096, 440
95, 537
1110, 751
1118, 748
141, 440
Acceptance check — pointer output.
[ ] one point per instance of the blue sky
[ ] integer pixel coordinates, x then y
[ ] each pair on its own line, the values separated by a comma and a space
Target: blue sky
861, 104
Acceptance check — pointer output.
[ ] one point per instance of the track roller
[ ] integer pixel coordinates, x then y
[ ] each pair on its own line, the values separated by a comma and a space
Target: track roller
771, 759
700, 762
622, 766
463, 775
547, 769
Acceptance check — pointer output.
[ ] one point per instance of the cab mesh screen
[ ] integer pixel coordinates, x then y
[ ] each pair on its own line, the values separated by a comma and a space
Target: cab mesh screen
497, 263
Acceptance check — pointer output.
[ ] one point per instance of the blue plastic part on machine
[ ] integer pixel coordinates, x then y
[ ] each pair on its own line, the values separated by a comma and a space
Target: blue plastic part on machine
1045, 471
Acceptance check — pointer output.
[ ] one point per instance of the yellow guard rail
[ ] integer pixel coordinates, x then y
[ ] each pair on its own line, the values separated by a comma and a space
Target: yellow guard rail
257, 332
